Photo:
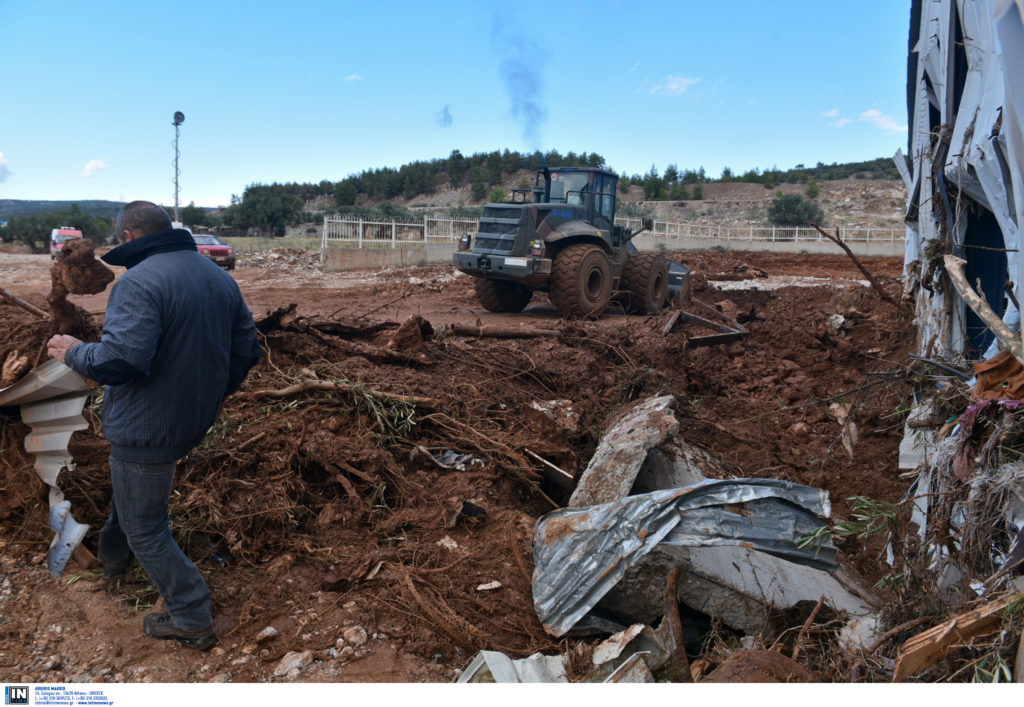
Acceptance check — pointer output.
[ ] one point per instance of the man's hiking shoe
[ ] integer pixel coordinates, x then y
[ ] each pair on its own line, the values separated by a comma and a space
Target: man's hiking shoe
161, 626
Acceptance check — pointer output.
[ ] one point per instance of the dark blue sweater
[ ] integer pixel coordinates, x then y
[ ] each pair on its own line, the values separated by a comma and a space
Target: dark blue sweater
177, 339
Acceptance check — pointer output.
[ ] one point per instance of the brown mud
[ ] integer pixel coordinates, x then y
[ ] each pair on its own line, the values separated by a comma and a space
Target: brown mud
320, 500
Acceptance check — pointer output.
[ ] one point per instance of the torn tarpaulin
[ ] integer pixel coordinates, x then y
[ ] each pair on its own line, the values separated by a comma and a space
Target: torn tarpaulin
581, 553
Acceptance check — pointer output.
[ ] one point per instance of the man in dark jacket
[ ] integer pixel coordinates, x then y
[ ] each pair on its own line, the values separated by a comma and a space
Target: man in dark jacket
177, 340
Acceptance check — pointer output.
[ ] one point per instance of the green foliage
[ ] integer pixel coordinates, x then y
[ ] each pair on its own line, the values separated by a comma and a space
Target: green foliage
456, 168
868, 517
493, 169
624, 184
345, 193
524, 183
479, 188
813, 189
497, 195
655, 187
678, 192
193, 215
34, 231
266, 208
698, 190
794, 210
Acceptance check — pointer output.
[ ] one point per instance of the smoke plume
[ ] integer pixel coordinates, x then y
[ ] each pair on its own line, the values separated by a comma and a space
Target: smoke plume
521, 60
4, 171
444, 117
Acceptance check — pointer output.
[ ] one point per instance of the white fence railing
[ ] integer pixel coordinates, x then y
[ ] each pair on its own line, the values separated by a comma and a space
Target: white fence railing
363, 233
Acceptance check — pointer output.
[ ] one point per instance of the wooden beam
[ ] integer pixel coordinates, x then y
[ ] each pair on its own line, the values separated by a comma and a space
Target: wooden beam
932, 645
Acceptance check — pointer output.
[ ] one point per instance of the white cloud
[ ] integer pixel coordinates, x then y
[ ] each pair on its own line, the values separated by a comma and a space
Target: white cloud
834, 113
841, 122
636, 65
673, 85
4, 171
353, 77
92, 167
882, 121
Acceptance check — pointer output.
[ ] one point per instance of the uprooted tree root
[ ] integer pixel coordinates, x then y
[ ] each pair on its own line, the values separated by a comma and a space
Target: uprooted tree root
327, 464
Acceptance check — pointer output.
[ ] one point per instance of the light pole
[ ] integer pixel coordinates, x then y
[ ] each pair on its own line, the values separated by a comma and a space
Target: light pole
179, 118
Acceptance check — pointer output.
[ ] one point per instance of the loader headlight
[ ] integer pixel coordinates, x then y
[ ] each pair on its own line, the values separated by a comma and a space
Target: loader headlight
537, 248
465, 242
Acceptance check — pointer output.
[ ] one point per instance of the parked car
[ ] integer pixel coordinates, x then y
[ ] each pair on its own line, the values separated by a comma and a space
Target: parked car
60, 236
216, 251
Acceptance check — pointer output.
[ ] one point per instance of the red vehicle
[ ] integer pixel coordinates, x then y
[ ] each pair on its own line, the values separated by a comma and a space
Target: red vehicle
216, 251
60, 236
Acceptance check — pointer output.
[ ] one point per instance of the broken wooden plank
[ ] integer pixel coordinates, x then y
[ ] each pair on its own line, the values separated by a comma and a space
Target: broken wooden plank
932, 645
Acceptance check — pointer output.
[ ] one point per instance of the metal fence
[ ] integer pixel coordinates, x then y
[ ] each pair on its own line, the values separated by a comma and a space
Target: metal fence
362, 233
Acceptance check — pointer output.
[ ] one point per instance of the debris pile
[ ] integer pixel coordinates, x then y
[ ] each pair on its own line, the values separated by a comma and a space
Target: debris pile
392, 473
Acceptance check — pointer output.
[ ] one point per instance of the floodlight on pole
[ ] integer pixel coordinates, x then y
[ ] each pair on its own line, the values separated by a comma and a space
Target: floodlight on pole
179, 118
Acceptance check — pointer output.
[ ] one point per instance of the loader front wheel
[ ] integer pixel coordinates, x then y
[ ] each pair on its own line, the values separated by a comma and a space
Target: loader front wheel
645, 283
501, 296
581, 281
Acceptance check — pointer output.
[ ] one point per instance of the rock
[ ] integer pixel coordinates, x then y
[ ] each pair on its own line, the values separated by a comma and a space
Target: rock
346, 653
266, 634
293, 661
489, 586
447, 543
221, 677
355, 636
217, 651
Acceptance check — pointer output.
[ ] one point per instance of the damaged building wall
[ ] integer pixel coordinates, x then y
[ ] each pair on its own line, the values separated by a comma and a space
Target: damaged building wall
964, 176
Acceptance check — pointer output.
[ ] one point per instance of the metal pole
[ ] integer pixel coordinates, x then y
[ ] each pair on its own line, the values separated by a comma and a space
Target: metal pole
177, 189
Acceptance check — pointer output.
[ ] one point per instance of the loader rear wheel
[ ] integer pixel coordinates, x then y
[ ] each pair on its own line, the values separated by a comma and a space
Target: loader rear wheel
581, 281
645, 283
501, 296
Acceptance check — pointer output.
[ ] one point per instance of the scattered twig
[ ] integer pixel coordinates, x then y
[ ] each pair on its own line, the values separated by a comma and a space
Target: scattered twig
14, 299
320, 385
896, 630
903, 309
807, 625
561, 477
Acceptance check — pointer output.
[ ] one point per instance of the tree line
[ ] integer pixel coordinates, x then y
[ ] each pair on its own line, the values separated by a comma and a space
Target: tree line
269, 208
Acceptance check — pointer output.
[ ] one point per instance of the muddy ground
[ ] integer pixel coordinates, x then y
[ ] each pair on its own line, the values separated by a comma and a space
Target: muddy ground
324, 515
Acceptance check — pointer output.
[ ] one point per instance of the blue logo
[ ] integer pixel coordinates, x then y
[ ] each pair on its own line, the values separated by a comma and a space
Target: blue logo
564, 213
15, 694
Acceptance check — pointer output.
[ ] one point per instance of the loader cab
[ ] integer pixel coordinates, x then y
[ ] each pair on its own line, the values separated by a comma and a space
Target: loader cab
592, 190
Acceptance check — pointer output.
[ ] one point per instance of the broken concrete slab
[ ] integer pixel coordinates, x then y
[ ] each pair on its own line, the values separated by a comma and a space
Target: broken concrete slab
622, 451
615, 658
675, 464
739, 585
581, 554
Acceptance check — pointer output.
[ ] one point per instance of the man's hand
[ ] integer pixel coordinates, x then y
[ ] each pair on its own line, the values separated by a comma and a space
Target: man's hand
58, 346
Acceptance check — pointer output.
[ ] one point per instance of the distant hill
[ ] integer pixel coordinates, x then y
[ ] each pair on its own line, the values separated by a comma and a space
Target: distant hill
10, 208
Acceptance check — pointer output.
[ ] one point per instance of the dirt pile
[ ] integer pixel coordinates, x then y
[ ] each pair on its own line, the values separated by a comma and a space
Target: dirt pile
379, 470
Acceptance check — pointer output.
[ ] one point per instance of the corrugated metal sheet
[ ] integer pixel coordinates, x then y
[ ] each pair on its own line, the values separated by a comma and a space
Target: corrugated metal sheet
51, 398
580, 554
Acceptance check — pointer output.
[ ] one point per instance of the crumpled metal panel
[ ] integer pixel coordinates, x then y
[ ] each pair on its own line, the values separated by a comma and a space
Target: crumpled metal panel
51, 398
496, 667
580, 554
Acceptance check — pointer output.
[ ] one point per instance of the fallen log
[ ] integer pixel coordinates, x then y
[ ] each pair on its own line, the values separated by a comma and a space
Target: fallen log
494, 332
927, 647
903, 309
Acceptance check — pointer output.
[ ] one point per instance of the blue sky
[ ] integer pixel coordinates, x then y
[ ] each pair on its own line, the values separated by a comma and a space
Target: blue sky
305, 91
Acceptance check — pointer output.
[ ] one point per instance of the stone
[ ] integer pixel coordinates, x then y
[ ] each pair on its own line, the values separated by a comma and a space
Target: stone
354, 636
293, 661
266, 634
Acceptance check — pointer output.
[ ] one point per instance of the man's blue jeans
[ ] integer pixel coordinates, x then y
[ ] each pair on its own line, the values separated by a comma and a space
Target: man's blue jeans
138, 524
